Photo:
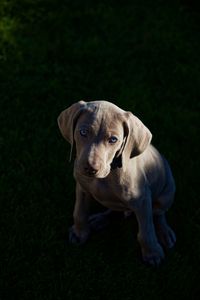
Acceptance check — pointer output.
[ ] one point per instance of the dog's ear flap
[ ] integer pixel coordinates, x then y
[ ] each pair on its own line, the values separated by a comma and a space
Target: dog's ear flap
67, 121
137, 137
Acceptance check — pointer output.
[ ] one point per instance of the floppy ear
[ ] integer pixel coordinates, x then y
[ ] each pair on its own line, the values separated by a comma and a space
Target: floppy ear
67, 120
137, 137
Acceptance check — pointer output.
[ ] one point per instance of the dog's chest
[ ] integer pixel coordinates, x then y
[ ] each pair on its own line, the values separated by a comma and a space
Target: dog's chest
113, 194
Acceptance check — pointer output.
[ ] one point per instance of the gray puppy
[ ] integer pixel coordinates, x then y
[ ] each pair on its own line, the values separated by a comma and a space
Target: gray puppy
117, 166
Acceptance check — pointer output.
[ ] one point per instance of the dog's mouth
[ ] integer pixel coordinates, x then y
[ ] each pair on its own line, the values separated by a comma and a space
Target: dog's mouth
99, 174
95, 175
116, 163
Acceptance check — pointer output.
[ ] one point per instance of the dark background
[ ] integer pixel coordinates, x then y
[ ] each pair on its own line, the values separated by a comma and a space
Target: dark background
145, 57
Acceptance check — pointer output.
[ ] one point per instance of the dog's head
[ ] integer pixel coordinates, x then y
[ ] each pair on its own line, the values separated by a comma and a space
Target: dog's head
104, 135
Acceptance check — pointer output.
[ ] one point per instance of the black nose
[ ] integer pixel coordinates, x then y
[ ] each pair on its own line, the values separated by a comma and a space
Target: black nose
91, 170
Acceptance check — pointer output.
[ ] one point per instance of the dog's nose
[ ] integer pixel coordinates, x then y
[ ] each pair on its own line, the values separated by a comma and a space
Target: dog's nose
91, 170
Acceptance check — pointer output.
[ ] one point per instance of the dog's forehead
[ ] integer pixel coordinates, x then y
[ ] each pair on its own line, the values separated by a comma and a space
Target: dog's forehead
101, 116
103, 106
104, 110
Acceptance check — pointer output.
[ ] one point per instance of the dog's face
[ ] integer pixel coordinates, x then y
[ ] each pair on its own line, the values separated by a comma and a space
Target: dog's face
104, 135
98, 136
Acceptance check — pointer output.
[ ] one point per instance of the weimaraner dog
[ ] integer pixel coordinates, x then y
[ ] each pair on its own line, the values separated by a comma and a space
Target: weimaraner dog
117, 166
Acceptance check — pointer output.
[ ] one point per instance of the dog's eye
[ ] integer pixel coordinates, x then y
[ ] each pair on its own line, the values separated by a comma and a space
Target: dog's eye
112, 140
83, 132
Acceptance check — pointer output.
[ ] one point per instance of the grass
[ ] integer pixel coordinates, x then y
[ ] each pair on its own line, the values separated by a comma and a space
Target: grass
143, 56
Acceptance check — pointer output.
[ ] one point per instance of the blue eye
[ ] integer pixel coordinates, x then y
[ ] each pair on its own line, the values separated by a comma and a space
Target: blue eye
83, 132
112, 140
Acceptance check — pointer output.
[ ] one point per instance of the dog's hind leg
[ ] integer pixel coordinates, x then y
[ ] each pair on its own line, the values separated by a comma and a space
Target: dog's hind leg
161, 204
165, 234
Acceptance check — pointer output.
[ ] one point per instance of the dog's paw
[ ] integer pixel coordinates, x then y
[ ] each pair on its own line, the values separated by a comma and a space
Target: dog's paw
78, 239
166, 236
153, 256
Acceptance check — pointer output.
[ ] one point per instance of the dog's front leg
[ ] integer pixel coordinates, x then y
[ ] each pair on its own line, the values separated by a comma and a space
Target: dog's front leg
80, 231
152, 252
